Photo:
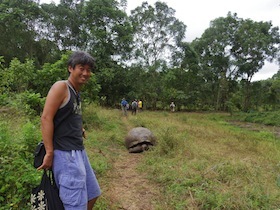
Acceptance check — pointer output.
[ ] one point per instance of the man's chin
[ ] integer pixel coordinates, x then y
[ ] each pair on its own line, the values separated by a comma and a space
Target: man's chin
83, 81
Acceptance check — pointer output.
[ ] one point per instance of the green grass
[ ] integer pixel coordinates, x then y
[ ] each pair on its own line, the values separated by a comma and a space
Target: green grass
200, 161
266, 118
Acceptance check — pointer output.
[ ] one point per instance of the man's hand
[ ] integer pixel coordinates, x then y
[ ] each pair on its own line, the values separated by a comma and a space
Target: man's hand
84, 133
47, 162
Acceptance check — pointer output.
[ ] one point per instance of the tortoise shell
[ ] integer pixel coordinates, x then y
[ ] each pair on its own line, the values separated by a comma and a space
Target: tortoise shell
139, 139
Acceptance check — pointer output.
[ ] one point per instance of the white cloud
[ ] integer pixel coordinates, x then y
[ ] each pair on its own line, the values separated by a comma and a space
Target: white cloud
266, 72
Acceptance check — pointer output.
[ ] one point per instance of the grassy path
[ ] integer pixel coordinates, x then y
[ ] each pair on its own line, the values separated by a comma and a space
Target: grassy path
129, 189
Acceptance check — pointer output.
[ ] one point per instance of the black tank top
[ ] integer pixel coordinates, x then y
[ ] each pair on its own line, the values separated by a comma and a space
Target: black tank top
68, 123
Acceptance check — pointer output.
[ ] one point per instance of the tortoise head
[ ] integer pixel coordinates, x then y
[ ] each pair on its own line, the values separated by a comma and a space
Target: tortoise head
145, 147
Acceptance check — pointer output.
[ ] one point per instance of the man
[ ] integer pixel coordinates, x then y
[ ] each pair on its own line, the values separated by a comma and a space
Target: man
124, 105
62, 131
172, 106
134, 106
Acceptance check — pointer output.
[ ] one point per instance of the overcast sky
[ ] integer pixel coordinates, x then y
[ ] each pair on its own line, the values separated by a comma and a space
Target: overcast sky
197, 14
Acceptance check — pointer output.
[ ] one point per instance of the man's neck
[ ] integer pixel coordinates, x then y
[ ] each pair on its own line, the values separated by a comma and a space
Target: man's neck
75, 87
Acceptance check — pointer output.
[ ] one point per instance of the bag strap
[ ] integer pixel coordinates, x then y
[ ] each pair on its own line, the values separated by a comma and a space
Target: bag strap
50, 175
44, 178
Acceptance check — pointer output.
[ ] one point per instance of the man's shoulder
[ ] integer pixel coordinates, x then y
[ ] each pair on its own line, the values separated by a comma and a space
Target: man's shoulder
59, 88
60, 83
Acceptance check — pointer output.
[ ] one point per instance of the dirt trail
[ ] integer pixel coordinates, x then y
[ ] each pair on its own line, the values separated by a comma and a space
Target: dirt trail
130, 189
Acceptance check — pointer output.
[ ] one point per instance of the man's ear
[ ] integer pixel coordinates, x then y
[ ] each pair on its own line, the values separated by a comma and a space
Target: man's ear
70, 69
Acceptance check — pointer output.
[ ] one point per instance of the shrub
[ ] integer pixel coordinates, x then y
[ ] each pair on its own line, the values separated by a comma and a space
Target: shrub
17, 175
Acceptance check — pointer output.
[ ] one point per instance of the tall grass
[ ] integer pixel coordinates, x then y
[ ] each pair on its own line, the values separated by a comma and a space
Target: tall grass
267, 118
200, 161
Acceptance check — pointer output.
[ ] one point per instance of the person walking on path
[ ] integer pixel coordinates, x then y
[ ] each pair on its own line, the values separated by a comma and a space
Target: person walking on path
62, 132
134, 106
124, 106
140, 105
172, 106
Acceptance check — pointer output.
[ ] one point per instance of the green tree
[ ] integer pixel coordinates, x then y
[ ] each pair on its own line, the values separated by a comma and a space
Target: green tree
109, 36
187, 82
108, 32
20, 75
253, 43
233, 48
18, 29
4, 77
65, 24
214, 46
49, 74
277, 75
273, 94
156, 34
136, 84
114, 85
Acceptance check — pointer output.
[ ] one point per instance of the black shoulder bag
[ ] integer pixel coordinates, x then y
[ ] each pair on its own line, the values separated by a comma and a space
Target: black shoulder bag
39, 154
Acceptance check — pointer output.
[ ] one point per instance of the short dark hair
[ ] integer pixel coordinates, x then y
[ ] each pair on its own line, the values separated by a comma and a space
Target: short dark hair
80, 57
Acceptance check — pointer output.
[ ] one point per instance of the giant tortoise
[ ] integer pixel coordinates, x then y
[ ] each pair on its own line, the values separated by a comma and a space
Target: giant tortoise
139, 139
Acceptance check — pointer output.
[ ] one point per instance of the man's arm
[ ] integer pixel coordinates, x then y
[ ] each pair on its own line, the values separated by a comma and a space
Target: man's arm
56, 96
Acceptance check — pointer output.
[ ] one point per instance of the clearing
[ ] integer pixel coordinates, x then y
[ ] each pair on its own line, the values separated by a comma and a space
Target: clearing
130, 189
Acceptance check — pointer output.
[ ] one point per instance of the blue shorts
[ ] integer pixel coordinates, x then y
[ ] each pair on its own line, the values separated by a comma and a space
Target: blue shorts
75, 179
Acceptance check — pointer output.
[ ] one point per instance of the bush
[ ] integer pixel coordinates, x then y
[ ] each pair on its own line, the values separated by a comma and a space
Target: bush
4, 99
267, 118
31, 103
30, 136
17, 175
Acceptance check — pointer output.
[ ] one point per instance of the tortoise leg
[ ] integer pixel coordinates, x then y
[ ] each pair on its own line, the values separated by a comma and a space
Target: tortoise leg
139, 148
145, 147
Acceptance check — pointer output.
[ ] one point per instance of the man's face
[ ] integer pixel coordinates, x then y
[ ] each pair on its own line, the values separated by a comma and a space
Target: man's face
80, 73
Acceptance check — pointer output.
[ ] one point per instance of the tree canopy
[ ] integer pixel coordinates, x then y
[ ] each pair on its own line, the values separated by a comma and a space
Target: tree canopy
143, 55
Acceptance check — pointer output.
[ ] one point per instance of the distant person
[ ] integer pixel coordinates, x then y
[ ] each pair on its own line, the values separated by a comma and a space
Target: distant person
124, 106
172, 106
134, 106
140, 105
